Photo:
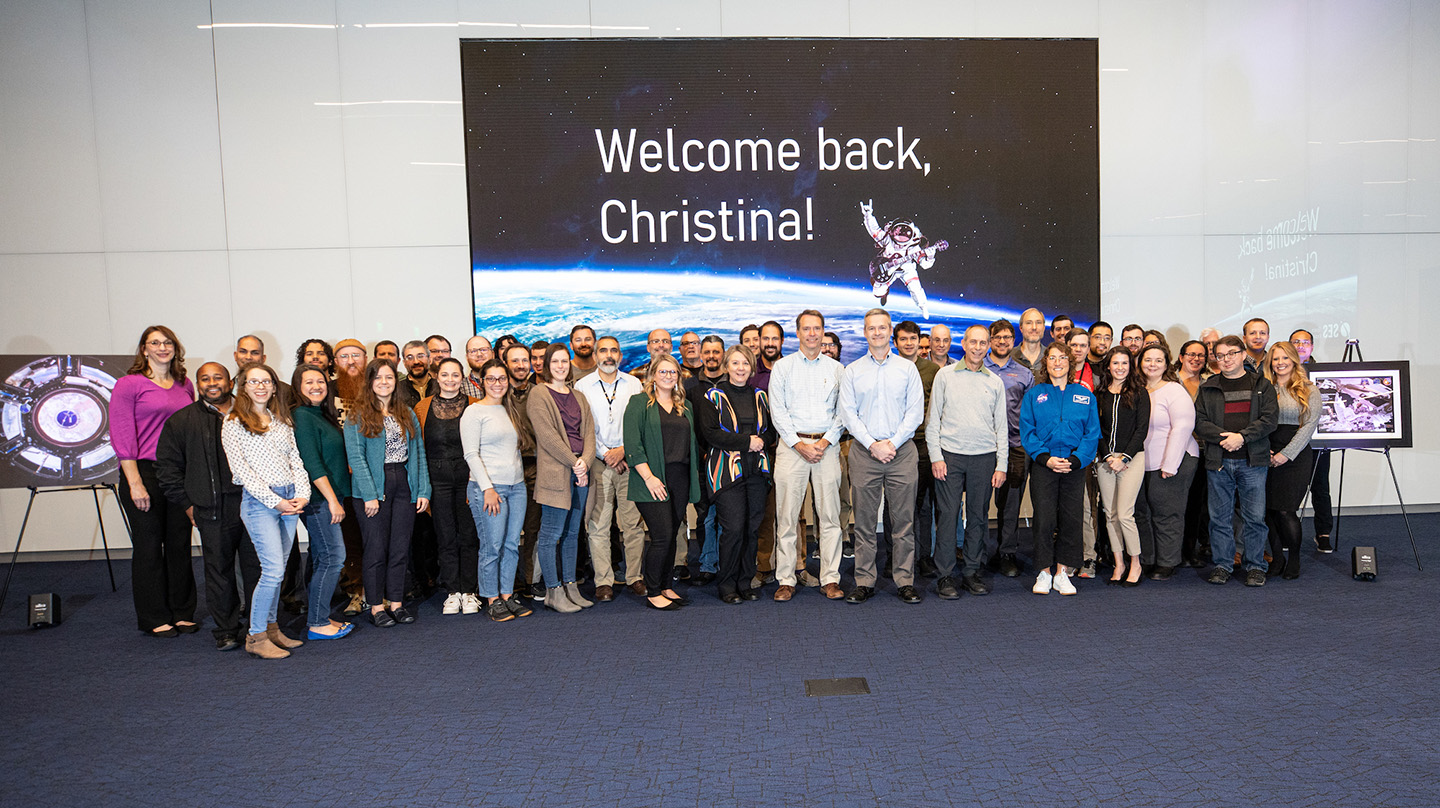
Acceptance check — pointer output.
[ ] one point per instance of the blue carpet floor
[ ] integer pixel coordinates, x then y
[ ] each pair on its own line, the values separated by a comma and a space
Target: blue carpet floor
1315, 692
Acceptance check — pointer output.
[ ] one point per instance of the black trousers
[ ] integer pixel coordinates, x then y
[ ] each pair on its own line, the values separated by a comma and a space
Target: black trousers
530, 530
457, 542
162, 580
926, 544
1197, 517
1007, 504
1058, 501
387, 538
222, 540
739, 512
297, 580
662, 521
1165, 500
1324, 518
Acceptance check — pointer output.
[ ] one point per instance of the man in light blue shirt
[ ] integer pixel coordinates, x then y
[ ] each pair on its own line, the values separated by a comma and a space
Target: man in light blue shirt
882, 402
608, 390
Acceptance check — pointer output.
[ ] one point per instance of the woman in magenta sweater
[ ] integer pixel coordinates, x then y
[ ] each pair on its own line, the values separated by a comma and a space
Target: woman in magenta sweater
161, 579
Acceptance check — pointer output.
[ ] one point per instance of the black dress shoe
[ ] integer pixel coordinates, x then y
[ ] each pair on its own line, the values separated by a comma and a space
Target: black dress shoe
187, 629
382, 619
909, 594
681, 572
926, 568
732, 598
670, 605
227, 642
945, 588
402, 615
702, 578
749, 594
975, 585
1009, 566
1162, 573
682, 600
859, 594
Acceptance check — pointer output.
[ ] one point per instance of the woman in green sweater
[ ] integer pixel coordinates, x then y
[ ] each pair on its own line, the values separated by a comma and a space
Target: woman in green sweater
322, 449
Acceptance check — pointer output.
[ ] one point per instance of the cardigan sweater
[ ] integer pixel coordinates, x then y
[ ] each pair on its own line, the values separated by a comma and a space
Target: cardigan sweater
367, 462
554, 462
643, 444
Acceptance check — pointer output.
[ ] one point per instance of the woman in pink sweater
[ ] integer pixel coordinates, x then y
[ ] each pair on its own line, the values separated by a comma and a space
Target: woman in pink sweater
1171, 455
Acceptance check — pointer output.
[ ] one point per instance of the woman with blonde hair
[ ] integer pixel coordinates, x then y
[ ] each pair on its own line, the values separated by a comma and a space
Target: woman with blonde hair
161, 579
1291, 458
664, 472
259, 442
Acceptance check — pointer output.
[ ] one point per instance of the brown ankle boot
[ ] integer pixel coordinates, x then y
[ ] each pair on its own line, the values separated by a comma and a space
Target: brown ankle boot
260, 647
273, 632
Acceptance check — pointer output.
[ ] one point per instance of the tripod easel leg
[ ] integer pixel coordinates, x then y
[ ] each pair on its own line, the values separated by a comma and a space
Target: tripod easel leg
15, 556
100, 518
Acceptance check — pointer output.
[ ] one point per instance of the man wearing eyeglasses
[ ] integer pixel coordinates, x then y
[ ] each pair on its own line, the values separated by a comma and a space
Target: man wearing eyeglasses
477, 353
1132, 338
1304, 343
1235, 412
1017, 380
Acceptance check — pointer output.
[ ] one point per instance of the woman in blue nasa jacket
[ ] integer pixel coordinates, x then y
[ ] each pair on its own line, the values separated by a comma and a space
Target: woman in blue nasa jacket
1060, 429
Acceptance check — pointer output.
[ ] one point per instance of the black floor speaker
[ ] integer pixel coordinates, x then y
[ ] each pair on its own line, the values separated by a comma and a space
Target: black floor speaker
44, 610
1362, 564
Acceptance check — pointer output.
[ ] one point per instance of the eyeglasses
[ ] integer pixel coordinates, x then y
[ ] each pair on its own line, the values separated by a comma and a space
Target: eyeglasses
496, 379
1193, 355
473, 351
1227, 354
1132, 340
349, 356
1299, 342
666, 373
155, 343
259, 383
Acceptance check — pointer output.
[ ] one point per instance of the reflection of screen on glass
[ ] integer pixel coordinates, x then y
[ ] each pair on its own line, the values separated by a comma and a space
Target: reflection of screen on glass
707, 184
54, 419
1363, 404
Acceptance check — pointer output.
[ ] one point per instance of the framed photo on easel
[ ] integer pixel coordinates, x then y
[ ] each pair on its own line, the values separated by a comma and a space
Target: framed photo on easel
1363, 405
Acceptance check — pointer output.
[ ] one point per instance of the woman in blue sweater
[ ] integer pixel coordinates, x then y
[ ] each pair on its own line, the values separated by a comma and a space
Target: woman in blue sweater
1060, 429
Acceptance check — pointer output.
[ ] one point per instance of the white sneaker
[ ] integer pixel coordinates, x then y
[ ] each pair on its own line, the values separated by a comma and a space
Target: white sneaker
1063, 585
452, 604
469, 604
1042, 583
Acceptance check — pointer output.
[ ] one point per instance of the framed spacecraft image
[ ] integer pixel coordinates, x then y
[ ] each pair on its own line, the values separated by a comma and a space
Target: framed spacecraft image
1363, 404
55, 419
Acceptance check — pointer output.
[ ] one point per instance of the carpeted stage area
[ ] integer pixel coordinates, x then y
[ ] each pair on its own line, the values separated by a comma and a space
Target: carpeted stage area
1315, 692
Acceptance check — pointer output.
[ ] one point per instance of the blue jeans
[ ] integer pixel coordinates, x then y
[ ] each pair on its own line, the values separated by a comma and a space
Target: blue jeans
561, 527
1237, 478
499, 537
709, 542
327, 555
272, 534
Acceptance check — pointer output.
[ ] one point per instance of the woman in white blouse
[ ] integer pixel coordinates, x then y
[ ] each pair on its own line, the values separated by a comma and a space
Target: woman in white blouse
493, 432
259, 442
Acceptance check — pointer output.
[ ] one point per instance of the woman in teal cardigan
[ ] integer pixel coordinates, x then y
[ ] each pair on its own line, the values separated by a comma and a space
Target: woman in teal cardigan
322, 450
664, 472
388, 473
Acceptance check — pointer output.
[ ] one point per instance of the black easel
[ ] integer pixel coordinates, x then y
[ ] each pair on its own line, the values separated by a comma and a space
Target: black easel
1352, 353
99, 516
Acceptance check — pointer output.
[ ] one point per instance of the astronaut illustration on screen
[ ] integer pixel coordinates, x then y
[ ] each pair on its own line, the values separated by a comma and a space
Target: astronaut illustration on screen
902, 253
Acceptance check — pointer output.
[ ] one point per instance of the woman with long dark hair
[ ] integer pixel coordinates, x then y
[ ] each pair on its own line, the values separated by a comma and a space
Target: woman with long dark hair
322, 449
390, 483
259, 442
493, 433
1060, 429
564, 446
162, 580
1171, 457
1291, 458
1191, 369
1124, 410
664, 472
457, 544
735, 423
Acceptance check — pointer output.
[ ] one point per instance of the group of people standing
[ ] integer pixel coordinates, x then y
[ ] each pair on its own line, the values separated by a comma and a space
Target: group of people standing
510, 456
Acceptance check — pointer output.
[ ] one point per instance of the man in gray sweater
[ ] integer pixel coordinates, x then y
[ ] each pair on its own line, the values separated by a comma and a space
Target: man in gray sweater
969, 451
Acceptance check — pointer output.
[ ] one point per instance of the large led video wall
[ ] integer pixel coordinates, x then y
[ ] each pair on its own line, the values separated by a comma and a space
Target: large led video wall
705, 184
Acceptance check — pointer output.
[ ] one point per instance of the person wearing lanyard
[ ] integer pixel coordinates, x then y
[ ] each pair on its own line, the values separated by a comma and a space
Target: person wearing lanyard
608, 390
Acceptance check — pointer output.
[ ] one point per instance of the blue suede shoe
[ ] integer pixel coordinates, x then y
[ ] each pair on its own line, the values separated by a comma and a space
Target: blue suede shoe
312, 634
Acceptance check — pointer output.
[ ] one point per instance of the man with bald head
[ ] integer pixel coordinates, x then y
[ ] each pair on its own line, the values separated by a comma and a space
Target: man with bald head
940, 340
477, 353
1032, 330
249, 350
195, 475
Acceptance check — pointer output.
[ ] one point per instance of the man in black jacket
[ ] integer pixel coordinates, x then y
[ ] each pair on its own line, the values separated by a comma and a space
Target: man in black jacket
1235, 412
195, 475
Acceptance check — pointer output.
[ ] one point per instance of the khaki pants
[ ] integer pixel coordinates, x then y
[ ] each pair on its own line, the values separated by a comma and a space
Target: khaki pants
793, 476
609, 491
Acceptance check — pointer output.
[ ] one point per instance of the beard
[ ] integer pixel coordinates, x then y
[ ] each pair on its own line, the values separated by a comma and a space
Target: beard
584, 352
348, 387
770, 354
609, 366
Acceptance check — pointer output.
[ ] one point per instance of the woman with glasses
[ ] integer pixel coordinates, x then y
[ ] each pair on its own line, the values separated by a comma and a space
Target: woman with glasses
259, 442
457, 544
1193, 368
493, 433
390, 480
664, 472
322, 449
1060, 429
162, 580
564, 446
1291, 458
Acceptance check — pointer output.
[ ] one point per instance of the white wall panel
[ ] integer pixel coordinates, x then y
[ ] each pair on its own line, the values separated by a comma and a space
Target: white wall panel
407, 293
281, 140
286, 296
1423, 207
63, 304
187, 291
1155, 280
155, 125
49, 182
506, 19
1038, 18
919, 18
655, 18
1152, 118
797, 18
